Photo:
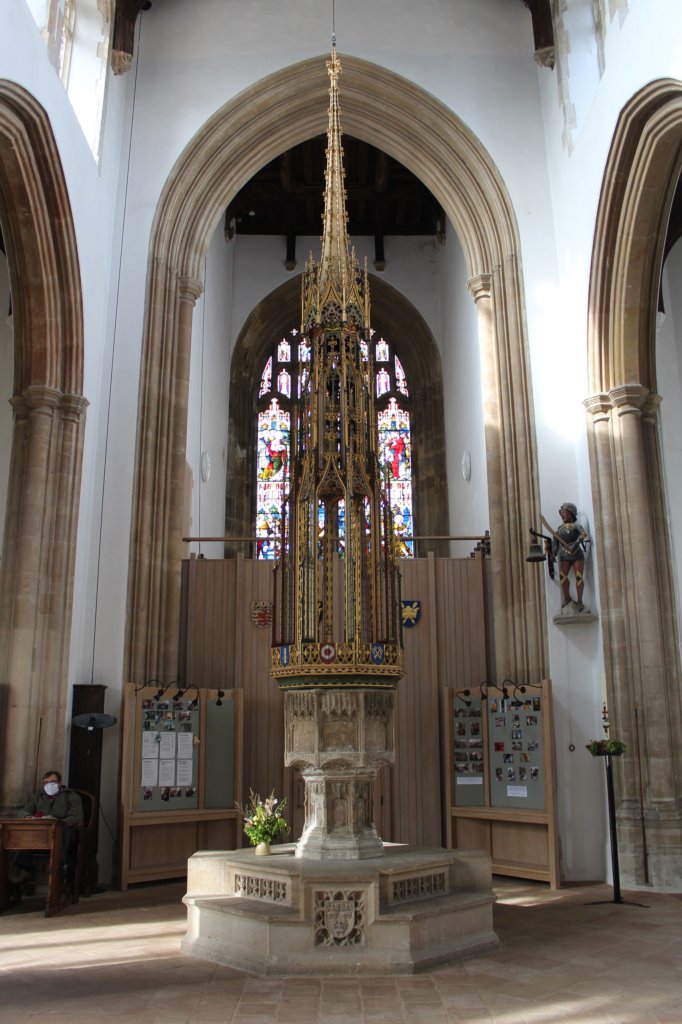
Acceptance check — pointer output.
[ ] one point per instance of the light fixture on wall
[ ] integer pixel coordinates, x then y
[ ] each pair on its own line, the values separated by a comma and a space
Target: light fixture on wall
205, 467
94, 720
466, 465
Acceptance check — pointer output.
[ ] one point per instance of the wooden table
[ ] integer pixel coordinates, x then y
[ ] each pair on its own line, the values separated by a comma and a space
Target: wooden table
33, 834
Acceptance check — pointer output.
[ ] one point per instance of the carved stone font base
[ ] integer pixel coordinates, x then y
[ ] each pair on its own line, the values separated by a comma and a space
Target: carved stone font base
338, 737
405, 911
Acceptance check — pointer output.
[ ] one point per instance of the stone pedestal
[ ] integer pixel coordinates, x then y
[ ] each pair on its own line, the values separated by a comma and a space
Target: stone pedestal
338, 737
405, 911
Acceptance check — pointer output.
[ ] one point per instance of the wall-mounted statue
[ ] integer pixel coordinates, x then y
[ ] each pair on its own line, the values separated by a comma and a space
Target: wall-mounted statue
568, 546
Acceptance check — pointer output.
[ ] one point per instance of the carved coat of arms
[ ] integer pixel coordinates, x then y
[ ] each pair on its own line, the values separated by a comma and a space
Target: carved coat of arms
411, 613
378, 653
261, 613
339, 917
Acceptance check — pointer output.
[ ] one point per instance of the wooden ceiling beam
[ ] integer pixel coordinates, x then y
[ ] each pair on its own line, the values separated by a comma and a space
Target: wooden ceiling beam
123, 38
543, 31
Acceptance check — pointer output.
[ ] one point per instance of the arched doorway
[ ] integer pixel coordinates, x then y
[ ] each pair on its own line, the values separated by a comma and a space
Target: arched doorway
425, 136
36, 579
640, 618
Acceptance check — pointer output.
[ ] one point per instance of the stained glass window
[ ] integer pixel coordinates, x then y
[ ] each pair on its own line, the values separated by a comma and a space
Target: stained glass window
274, 432
382, 355
383, 383
395, 459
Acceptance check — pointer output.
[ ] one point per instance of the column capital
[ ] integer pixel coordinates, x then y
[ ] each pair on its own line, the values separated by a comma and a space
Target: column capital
629, 398
623, 400
189, 289
36, 397
598, 406
74, 405
481, 286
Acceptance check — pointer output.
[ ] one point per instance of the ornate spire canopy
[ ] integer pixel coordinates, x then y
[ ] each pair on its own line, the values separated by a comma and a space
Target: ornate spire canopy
337, 606
335, 289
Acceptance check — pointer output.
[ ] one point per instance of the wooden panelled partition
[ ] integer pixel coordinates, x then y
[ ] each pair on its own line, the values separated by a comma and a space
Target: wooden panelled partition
222, 647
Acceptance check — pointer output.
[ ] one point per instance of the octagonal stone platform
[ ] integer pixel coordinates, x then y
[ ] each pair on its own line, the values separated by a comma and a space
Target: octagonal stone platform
405, 911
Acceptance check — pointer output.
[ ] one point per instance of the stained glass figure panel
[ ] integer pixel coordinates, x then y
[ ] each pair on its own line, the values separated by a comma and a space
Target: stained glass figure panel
395, 459
383, 382
382, 353
284, 383
284, 351
274, 435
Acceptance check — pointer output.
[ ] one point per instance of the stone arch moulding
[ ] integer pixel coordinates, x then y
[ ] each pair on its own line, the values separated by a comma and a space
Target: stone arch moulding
406, 122
640, 618
396, 318
36, 578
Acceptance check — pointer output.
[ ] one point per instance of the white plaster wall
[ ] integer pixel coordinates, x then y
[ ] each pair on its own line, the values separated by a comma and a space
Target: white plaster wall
209, 392
411, 268
464, 427
669, 376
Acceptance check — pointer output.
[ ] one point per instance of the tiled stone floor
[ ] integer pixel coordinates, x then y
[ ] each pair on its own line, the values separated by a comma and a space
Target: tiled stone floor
115, 958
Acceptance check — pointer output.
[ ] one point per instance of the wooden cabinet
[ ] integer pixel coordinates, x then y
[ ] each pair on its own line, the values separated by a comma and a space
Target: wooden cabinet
182, 757
499, 785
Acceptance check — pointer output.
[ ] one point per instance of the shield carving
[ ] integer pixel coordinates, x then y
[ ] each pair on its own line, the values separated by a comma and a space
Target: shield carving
261, 613
339, 917
378, 652
411, 613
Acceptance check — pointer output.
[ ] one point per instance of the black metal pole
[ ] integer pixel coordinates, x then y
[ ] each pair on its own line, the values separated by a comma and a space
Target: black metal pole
617, 898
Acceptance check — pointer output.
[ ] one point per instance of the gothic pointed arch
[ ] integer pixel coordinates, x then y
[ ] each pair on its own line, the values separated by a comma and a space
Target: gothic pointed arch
639, 612
396, 318
425, 136
36, 579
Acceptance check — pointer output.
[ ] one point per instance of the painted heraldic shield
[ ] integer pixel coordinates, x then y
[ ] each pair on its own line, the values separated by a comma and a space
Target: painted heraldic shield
411, 613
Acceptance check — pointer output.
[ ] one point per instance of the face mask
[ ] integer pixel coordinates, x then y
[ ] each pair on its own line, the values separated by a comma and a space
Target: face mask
51, 788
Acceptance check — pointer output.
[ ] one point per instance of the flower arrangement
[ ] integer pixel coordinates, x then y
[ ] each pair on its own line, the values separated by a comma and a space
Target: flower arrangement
598, 748
264, 821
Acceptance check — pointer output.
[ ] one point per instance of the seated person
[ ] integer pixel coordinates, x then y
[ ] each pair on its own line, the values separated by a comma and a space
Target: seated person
53, 801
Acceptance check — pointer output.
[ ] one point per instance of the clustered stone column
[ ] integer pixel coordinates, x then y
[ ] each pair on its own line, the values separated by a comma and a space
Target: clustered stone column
640, 628
36, 583
513, 499
155, 558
